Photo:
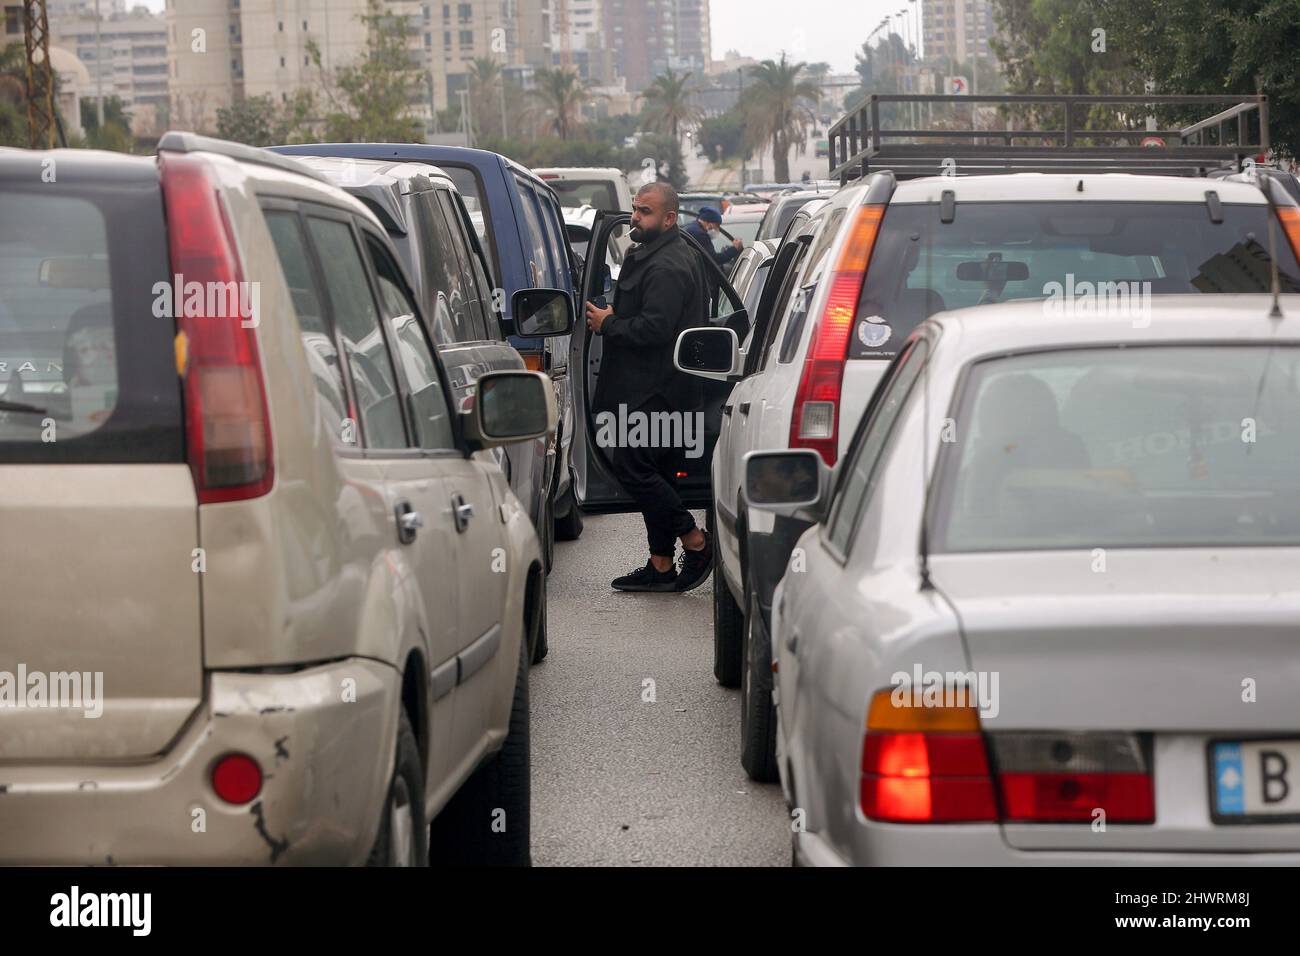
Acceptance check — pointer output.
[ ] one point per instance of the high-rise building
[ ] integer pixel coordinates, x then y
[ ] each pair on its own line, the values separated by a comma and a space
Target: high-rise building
648, 37
957, 30
62, 9
126, 55
578, 39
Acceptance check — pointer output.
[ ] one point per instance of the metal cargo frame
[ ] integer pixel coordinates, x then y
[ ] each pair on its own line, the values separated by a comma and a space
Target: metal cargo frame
859, 145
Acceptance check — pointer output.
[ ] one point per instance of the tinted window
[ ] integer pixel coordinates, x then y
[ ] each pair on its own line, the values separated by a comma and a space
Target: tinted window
87, 361
317, 337
473, 319
446, 297
1139, 447
860, 469
357, 322
474, 196
431, 415
539, 263
921, 266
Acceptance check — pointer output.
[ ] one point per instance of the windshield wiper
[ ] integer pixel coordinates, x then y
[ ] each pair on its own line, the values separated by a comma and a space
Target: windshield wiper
8, 406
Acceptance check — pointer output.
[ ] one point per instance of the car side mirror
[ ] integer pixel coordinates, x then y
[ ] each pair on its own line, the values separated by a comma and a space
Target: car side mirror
542, 313
712, 352
508, 407
795, 483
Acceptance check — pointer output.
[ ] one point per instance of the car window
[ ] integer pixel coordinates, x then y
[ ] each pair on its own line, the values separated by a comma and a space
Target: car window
317, 336
357, 321
473, 317
756, 283
786, 310
1146, 447
535, 239
553, 223
445, 294
431, 414
82, 377
474, 196
816, 261
860, 466
1089, 256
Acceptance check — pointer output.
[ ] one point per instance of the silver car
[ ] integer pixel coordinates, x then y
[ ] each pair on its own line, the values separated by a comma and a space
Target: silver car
1047, 612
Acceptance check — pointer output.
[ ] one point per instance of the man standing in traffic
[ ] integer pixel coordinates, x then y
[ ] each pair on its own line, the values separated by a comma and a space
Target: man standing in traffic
661, 291
706, 225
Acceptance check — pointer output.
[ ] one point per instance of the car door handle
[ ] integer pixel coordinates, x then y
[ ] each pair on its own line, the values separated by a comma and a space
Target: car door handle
726, 409
409, 522
792, 644
462, 511
744, 408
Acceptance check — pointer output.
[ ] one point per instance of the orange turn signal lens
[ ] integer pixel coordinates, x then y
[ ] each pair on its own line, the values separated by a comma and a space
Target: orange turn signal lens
904, 709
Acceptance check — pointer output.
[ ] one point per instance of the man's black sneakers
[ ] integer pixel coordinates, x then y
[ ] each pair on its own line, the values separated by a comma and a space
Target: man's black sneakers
696, 565
646, 579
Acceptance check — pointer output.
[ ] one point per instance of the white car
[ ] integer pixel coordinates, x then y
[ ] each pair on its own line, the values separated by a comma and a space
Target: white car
603, 188
850, 283
1046, 611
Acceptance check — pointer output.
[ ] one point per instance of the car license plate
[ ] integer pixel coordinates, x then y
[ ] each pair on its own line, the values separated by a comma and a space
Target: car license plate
1255, 780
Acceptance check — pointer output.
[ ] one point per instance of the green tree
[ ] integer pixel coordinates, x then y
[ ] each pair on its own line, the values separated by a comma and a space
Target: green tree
485, 90
13, 96
370, 100
1202, 46
669, 103
261, 121
727, 131
560, 94
776, 111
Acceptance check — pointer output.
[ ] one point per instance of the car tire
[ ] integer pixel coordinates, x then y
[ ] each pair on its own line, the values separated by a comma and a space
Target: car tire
400, 841
728, 626
538, 624
569, 527
468, 831
757, 715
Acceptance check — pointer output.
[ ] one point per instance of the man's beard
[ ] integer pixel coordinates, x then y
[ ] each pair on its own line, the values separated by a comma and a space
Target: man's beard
643, 234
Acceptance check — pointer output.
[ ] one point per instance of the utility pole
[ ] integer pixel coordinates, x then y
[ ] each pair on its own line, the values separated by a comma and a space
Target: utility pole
39, 75
744, 158
99, 74
505, 134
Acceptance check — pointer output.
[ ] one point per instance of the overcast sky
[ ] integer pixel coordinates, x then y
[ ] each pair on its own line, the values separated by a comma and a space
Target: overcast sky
809, 30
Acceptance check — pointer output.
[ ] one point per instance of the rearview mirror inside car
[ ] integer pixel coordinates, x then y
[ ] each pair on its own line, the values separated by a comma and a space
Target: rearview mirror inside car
709, 353
992, 270
508, 407
542, 313
794, 483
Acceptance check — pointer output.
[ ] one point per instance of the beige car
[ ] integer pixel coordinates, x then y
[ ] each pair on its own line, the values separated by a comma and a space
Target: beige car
262, 600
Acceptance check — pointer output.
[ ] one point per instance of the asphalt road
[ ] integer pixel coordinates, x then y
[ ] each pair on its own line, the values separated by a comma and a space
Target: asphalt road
619, 780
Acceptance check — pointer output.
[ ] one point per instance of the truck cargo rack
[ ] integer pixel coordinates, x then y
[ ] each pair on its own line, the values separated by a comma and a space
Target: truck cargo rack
860, 145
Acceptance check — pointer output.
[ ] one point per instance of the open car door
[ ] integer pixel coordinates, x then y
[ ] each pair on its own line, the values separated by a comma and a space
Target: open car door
597, 488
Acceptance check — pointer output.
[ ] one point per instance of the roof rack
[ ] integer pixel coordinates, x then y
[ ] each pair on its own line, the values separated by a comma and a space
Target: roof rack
859, 145
178, 142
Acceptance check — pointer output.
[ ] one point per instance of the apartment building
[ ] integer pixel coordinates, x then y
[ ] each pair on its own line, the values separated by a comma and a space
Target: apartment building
125, 55
578, 40
517, 34
957, 30
648, 37
65, 9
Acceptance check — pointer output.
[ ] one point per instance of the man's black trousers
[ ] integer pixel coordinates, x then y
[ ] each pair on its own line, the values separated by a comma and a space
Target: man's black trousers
649, 475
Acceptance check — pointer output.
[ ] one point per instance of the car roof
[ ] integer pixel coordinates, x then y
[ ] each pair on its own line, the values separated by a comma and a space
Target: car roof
1028, 325
1065, 187
597, 172
402, 174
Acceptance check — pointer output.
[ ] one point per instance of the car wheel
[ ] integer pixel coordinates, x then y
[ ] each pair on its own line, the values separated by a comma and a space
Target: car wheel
757, 715
487, 822
401, 827
538, 625
569, 527
728, 626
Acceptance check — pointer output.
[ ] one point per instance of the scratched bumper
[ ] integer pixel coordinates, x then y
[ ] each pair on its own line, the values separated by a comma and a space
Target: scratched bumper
326, 763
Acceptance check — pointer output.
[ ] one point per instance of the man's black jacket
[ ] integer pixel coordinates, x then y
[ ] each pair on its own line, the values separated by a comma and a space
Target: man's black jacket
661, 291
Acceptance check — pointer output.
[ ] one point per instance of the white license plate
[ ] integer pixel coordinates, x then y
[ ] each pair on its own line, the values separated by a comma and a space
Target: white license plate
1255, 780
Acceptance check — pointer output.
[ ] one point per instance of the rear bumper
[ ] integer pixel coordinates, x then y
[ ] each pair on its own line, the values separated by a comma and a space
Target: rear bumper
322, 736
958, 845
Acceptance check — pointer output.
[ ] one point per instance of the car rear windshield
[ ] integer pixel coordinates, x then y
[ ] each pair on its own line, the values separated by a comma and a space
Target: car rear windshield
995, 252
1150, 446
746, 230
596, 193
87, 365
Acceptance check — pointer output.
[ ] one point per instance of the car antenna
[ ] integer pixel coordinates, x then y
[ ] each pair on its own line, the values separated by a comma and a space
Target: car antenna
1263, 183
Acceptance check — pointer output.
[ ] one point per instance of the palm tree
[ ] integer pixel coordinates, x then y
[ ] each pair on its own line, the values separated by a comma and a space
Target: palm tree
668, 103
560, 94
485, 75
776, 111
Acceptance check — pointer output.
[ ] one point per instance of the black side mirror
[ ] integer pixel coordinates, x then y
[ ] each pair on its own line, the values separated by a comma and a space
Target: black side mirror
542, 313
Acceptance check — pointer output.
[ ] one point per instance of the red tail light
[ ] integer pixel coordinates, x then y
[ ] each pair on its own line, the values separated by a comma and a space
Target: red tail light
930, 764
924, 764
228, 430
815, 419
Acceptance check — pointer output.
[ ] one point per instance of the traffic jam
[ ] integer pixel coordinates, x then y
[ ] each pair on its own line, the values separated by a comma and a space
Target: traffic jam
981, 449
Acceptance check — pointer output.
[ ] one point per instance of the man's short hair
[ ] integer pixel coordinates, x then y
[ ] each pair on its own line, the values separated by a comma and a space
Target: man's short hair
664, 191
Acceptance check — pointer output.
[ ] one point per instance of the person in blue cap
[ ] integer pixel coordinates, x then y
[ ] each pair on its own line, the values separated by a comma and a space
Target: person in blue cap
706, 225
